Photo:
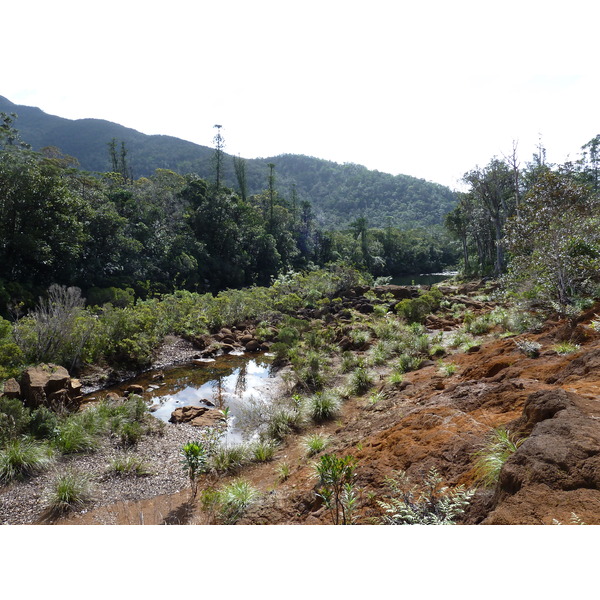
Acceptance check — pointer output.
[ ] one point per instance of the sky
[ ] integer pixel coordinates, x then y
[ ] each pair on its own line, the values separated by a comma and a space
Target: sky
427, 88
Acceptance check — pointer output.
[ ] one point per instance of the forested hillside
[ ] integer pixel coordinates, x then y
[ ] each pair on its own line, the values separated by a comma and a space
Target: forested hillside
338, 193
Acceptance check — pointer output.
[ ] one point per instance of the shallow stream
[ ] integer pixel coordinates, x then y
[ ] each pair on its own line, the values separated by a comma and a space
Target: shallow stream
230, 381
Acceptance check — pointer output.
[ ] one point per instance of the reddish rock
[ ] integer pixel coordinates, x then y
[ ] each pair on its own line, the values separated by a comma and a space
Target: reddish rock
138, 390
38, 382
198, 416
252, 346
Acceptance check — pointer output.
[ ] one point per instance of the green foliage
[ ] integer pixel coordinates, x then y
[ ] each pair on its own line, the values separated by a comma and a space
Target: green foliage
500, 446
22, 457
14, 418
234, 498
564, 348
70, 490
415, 310
194, 462
263, 451
323, 406
431, 504
128, 464
315, 443
360, 381
336, 486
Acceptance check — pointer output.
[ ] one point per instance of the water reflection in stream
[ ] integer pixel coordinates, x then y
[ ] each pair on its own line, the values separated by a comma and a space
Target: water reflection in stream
229, 381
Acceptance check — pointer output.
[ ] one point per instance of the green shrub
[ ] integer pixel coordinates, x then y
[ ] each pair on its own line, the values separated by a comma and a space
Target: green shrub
282, 422
14, 418
23, 457
263, 451
194, 463
228, 459
360, 381
73, 437
44, 423
336, 486
129, 464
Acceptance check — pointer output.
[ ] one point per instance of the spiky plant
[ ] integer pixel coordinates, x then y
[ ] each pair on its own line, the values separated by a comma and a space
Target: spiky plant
23, 457
70, 491
501, 444
315, 443
235, 498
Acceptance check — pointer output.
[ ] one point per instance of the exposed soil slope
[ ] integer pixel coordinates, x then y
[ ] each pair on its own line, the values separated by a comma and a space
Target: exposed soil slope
435, 420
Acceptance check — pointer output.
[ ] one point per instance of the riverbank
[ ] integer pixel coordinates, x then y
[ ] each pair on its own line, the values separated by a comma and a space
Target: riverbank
438, 415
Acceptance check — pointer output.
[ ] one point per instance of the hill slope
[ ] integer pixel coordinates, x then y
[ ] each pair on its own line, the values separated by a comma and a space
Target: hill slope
338, 193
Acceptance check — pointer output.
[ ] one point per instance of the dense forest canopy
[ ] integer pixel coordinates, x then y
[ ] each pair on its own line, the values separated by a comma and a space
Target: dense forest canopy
338, 193
535, 226
117, 237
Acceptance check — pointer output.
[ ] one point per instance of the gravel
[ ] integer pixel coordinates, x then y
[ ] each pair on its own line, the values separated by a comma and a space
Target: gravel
25, 502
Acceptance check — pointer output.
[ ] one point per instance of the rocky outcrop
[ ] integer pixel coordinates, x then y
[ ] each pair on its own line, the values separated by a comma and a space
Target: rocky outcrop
559, 460
50, 385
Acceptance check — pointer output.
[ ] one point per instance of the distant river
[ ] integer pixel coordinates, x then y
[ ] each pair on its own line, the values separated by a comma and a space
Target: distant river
423, 279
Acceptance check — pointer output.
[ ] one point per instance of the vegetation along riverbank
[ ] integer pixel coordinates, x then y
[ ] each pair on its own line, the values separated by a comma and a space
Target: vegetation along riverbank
470, 401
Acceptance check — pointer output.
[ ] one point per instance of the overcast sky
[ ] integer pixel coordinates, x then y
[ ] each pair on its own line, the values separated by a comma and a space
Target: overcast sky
424, 88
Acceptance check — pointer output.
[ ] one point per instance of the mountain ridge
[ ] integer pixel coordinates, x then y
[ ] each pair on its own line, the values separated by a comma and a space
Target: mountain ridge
338, 192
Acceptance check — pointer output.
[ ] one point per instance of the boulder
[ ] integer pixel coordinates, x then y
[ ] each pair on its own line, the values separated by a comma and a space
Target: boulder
12, 389
198, 416
252, 345
138, 390
40, 382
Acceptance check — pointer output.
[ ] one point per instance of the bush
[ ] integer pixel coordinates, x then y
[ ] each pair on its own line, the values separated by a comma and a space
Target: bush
315, 443
336, 486
194, 463
360, 381
14, 418
73, 437
129, 464
43, 423
263, 451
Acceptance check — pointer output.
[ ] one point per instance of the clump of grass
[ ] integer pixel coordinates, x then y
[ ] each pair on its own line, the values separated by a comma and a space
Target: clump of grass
396, 377
229, 459
23, 457
500, 445
263, 450
360, 381
315, 443
349, 362
235, 498
70, 491
564, 348
323, 406
406, 363
448, 369
283, 472
283, 421
376, 397
75, 435
129, 465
